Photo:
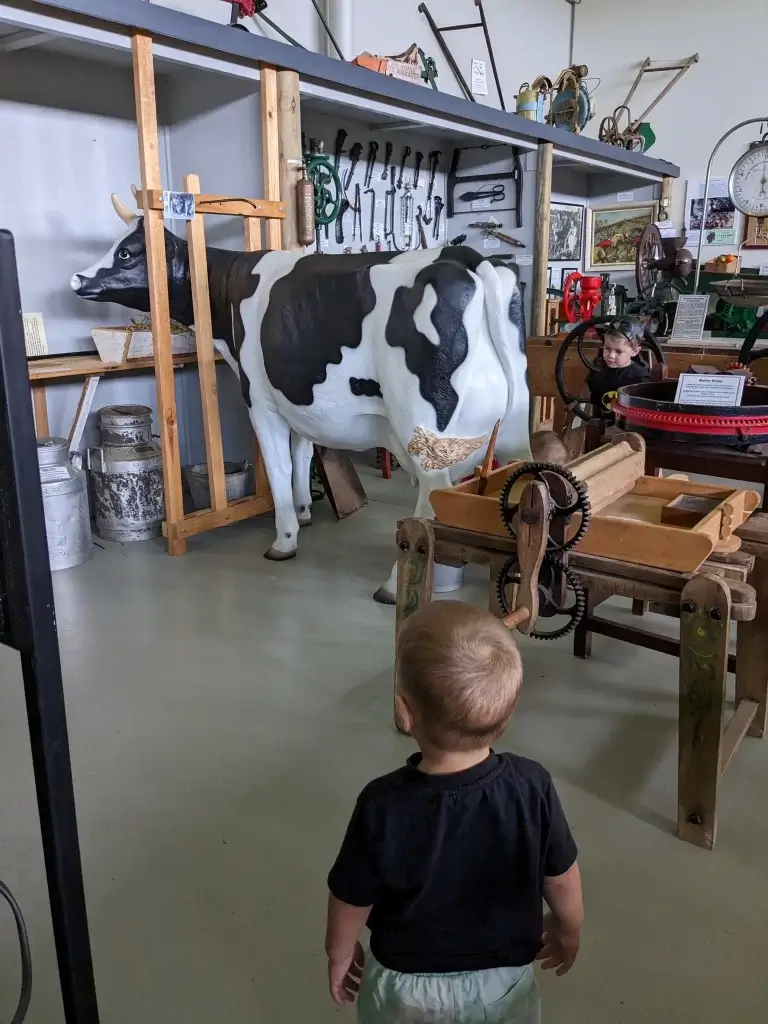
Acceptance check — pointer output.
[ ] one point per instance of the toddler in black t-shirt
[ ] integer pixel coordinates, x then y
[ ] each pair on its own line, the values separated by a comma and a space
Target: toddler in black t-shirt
447, 859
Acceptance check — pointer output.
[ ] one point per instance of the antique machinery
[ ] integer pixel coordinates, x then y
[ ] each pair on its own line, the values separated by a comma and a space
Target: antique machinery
582, 294
571, 105
662, 266
329, 192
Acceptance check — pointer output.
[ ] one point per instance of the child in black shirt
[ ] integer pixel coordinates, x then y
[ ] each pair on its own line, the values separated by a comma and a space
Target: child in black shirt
447, 859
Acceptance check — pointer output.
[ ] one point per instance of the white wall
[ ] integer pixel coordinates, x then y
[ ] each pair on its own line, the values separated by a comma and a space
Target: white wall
70, 138
529, 39
726, 86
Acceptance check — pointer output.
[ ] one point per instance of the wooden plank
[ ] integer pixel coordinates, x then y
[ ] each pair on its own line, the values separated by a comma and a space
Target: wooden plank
752, 651
40, 407
541, 234
210, 519
343, 486
62, 368
415, 565
87, 395
755, 533
209, 398
225, 206
270, 144
736, 730
149, 162
663, 547
532, 532
252, 231
704, 629
289, 149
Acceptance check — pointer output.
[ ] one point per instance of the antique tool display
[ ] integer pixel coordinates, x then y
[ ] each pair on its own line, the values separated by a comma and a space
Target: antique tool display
582, 294
434, 161
490, 229
515, 175
373, 149
637, 133
403, 161
531, 98
438, 33
571, 105
662, 266
410, 66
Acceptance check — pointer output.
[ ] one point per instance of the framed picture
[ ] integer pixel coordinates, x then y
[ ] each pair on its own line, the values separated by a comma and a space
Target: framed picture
613, 234
566, 232
756, 233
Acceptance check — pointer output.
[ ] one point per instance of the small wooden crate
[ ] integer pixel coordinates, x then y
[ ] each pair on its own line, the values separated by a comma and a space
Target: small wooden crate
117, 345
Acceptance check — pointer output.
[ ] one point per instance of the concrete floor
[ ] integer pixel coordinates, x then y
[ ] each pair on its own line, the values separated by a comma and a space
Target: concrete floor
224, 711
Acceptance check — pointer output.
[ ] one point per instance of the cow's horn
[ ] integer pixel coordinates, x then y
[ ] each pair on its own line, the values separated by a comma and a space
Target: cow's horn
121, 209
135, 191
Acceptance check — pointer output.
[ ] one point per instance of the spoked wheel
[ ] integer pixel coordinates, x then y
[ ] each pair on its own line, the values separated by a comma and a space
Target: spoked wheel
576, 337
561, 595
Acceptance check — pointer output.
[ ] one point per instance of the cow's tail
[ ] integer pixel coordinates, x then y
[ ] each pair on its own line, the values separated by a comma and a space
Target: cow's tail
506, 323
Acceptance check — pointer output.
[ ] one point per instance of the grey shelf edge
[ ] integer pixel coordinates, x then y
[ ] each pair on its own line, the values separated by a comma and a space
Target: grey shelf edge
221, 41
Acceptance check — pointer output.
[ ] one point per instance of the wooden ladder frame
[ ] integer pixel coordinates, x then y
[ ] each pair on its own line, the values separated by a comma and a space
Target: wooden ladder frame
178, 527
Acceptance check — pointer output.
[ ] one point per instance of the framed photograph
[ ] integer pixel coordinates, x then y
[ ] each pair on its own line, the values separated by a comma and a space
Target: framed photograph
756, 233
566, 231
613, 234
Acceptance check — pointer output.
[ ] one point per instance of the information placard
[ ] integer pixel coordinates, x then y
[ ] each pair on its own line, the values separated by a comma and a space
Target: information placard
709, 389
689, 318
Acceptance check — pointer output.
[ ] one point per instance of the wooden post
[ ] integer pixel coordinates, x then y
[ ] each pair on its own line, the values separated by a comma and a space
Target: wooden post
40, 405
415, 566
154, 231
206, 356
289, 129
270, 149
541, 238
752, 651
705, 618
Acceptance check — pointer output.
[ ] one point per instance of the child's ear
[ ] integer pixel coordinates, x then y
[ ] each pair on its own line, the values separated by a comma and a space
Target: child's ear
403, 714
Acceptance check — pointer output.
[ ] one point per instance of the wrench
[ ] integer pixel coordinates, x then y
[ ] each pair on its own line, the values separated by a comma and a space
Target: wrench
420, 226
434, 160
357, 215
388, 150
354, 156
373, 149
373, 212
406, 154
439, 204
417, 170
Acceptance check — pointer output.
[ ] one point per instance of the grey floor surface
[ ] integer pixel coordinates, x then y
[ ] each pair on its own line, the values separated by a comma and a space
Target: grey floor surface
224, 711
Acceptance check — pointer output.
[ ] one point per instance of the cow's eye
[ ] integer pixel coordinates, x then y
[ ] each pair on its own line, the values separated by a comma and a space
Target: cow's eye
123, 254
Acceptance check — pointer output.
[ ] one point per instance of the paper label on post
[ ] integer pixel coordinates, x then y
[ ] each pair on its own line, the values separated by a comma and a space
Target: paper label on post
690, 317
381, 203
491, 243
763, 270
524, 260
481, 204
625, 197
35, 339
479, 78
178, 205
709, 389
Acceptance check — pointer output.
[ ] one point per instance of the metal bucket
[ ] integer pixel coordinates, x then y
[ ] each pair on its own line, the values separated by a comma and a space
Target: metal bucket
235, 475
447, 578
125, 425
65, 504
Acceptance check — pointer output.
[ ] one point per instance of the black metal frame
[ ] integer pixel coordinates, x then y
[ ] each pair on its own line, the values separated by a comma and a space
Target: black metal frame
29, 626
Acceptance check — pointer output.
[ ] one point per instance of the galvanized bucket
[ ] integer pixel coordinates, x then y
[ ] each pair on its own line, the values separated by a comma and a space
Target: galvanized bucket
65, 504
236, 478
125, 425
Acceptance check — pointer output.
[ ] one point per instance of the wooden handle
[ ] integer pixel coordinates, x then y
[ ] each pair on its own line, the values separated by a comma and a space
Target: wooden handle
513, 620
485, 470
532, 529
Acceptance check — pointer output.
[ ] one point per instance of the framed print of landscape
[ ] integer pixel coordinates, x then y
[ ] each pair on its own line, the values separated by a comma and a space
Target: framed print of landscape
613, 234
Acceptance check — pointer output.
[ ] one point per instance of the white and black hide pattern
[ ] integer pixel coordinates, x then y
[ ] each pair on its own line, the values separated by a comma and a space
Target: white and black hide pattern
419, 352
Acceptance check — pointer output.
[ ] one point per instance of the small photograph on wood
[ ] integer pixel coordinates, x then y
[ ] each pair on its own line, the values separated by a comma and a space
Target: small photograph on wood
566, 231
178, 205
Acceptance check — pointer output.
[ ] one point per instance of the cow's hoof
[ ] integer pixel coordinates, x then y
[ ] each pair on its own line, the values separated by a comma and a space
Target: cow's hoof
279, 556
306, 522
384, 596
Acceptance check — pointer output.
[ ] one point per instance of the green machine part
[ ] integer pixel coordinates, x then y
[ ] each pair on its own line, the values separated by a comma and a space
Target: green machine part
328, 189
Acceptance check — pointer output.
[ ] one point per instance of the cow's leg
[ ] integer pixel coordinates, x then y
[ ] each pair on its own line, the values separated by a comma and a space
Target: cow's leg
274, 437
387, 592
301, 456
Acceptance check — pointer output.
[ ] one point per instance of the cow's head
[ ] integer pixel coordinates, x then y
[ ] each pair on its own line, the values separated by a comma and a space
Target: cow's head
121, 276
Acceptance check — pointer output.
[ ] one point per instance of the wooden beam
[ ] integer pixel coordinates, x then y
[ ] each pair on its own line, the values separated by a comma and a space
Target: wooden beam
415, 569
736, 730
541, 238
270, 146
289, 129
40, 406
206, 361
154, 231
752, 650
212, 519
704, 628
261, 483
252, 232
226, 206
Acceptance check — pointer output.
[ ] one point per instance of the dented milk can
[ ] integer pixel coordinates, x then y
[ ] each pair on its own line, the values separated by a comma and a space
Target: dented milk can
127, 475
65, 504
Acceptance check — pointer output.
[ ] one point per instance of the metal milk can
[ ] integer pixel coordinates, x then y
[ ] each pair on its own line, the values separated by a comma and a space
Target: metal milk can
65, 504
127, 475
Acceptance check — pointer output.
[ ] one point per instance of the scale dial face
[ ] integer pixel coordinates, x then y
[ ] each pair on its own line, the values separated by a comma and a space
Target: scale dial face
748, 183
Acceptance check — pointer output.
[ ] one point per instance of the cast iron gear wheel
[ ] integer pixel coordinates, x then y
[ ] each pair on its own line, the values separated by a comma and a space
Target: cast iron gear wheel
548, 607
539, 471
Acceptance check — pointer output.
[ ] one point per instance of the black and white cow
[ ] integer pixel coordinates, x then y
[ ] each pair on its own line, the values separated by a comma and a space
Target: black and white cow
419, 352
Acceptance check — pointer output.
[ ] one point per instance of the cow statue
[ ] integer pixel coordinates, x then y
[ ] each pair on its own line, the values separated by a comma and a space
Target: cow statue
419, 352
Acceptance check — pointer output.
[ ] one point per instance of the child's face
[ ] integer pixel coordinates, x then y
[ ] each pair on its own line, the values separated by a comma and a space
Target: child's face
618, 351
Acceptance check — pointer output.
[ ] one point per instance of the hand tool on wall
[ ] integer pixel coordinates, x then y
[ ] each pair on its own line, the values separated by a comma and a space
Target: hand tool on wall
388, 150
406, 217
373, 149
354, 156
338, 149
497, 194
357, 215
438, 31
417, 169
389, 210
373, 213
340, 221
491, 229
420, 226
406, 154
516, 175
439, 204
434, 160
